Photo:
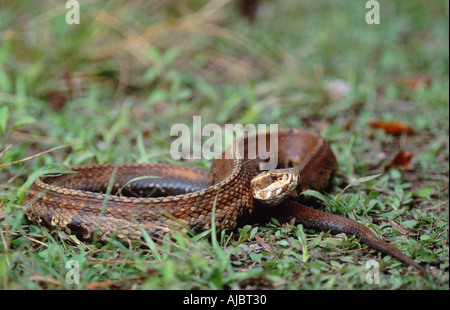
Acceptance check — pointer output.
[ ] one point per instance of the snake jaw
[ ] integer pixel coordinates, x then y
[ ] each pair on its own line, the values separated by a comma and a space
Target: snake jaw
274, 186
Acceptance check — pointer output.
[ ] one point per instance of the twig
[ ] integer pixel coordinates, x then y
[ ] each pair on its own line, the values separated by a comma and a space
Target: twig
35, 155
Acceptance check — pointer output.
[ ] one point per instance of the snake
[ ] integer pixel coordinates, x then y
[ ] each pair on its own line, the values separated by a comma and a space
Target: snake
130, 201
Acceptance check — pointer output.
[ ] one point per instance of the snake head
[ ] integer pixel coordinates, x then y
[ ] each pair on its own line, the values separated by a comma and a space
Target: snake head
274, 186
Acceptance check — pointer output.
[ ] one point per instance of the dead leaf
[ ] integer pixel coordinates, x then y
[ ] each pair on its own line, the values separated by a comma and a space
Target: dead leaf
317, 124
416, 81
348, 125
57, 100
401, 159
249, 9
44, 279
399, 228
266, 246
392, 128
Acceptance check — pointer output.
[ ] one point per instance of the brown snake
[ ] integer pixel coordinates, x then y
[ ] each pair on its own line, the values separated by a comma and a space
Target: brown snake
88, 204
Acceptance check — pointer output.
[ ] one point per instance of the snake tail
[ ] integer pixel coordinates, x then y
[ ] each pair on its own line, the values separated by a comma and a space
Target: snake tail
322, 221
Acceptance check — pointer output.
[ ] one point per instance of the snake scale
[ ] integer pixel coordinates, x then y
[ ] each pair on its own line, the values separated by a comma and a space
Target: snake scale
100, 200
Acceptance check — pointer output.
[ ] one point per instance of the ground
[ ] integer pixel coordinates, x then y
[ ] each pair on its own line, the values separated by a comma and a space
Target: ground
110, 88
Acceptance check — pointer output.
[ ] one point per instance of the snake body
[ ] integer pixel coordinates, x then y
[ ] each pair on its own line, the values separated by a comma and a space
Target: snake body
101, 201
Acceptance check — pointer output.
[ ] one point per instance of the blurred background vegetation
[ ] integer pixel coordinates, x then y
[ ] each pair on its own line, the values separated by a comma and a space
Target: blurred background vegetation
112, 86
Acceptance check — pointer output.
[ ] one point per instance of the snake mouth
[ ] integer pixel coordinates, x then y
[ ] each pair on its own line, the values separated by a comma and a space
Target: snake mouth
274, 186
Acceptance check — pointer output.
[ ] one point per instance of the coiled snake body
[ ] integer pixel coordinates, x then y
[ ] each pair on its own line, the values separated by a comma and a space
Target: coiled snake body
100, 200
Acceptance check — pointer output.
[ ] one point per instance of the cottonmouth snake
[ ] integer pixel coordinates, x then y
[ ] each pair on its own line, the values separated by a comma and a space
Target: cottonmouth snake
88, 204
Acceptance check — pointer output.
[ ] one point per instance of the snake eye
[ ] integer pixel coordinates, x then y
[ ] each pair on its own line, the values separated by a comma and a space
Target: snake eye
274, 176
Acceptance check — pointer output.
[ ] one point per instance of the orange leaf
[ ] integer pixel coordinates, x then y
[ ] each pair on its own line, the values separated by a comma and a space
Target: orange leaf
392, 128
401, 159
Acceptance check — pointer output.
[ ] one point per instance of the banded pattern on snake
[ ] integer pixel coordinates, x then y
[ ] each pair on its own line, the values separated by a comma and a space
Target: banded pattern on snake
87, 203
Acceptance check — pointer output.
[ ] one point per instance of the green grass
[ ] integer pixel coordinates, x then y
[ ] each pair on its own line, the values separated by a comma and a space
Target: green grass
113, 86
